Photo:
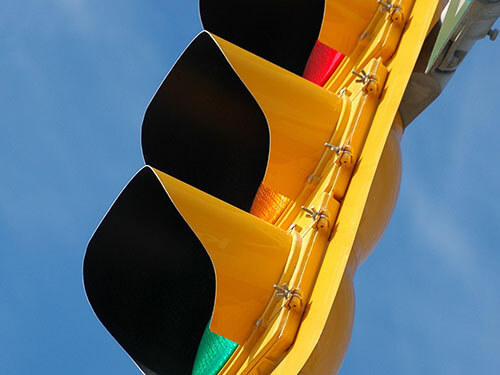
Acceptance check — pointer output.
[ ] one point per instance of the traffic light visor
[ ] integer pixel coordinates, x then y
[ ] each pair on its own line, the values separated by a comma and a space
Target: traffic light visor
163, 254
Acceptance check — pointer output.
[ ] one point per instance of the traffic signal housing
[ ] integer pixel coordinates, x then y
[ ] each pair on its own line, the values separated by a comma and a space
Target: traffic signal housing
230, 136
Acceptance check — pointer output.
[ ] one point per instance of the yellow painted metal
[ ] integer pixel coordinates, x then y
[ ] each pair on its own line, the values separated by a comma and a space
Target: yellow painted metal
301, 117
382, 198
331, 348
379, 40
248, 255
332, 345
344, 22
359, 107
340, 247
365, 103
342, 197
280, 321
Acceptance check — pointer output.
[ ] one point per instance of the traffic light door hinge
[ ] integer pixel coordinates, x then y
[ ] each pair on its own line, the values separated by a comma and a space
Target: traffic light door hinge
292, 296
275, 331
334, 170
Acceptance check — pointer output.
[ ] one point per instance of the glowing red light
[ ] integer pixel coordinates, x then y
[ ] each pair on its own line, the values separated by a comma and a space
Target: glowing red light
322, 63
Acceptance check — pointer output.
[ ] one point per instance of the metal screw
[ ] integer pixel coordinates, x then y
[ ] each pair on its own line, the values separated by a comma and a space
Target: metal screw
283, 291
362, 76
387, 5
311, 212
337, 149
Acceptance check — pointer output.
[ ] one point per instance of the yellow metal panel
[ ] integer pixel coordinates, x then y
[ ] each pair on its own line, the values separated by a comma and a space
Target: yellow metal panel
301, 117
382, 198
330, 350
339, 249
271, 334
256, 356
248, 255
359, 107
334, 342
344, 21
379, 40
280, 321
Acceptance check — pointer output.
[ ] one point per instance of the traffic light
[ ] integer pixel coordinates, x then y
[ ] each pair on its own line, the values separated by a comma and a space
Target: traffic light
263, 191
282, 32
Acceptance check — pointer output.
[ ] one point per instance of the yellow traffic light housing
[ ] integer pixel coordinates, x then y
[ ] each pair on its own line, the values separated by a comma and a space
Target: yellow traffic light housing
276, 138
248, 256
180, 246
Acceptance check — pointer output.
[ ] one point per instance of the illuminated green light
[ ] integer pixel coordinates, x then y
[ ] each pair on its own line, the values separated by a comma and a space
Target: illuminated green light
213, 353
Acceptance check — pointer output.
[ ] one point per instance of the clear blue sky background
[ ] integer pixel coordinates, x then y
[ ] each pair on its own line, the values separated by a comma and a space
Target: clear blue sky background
75, 79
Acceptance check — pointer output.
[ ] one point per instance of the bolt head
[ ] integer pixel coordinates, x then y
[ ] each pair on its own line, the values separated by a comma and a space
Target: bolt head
493, 33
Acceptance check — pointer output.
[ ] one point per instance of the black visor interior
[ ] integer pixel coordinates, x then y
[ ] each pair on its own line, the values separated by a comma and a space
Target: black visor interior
149, 279
281, 31
204, 127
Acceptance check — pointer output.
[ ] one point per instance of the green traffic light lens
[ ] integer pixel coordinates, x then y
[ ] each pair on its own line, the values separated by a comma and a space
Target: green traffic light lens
213, 353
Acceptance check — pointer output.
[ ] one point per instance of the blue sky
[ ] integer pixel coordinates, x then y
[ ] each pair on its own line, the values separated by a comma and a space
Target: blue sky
76, 77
